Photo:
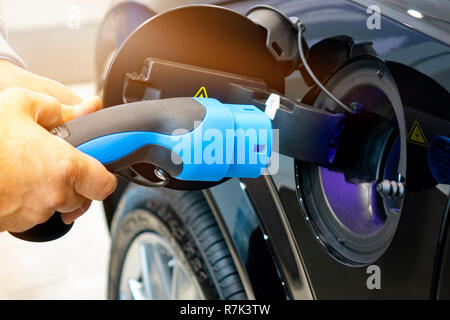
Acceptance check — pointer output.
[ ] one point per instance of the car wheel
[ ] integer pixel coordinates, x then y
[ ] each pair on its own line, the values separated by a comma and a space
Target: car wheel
166, 244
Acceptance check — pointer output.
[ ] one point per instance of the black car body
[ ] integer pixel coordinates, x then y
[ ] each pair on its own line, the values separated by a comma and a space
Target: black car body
276, 253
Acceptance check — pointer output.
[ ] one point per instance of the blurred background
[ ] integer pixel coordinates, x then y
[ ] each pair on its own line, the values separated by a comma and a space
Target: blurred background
56, 38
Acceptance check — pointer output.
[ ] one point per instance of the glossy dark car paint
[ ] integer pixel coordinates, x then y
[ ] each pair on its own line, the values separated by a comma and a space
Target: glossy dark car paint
276, 254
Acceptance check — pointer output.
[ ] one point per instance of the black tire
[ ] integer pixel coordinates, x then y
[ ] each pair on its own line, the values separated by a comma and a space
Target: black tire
190, 222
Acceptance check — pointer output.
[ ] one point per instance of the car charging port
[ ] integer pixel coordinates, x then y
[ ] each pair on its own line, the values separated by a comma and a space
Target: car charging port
353, 208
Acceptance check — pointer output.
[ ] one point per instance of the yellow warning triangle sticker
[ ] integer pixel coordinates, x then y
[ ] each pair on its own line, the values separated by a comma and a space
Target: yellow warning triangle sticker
201, 93
416, 135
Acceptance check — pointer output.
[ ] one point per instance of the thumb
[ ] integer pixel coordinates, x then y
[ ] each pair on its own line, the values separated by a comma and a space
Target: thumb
89, 105
46, 110
42, 109
50, 113
55, 89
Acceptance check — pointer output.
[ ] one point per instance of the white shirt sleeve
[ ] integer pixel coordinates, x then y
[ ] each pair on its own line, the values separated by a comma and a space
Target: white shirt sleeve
6, 52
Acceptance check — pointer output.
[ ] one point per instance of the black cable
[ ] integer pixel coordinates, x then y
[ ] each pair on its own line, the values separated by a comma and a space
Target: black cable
311, 74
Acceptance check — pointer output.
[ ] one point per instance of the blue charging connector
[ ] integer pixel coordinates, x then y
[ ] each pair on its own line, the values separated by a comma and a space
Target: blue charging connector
230, 141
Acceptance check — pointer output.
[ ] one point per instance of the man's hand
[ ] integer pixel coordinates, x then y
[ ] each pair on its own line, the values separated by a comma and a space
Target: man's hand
39, 172
14, 76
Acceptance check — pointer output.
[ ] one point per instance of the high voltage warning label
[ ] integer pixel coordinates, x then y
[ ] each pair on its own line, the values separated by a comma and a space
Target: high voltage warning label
417, 136
201, 93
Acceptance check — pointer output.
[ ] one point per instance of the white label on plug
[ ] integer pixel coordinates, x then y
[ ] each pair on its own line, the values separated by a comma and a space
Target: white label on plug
272, 105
